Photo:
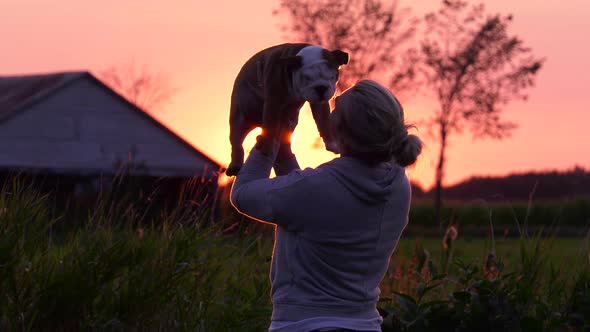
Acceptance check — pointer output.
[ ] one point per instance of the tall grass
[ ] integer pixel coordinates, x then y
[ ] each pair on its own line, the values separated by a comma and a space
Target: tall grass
113, 273
123, 267
530, 294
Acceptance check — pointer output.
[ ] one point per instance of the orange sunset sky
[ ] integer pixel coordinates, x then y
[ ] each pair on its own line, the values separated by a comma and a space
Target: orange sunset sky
201, 45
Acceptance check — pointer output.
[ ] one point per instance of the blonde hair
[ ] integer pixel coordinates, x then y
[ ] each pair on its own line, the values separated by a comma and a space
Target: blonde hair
368, 123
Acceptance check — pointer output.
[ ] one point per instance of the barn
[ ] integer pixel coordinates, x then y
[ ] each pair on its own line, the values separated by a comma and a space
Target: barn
72, 125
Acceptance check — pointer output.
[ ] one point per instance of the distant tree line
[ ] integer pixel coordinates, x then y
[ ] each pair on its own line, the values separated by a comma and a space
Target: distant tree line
537, 185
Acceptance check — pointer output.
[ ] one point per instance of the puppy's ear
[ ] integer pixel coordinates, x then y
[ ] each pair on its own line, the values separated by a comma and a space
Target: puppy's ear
340, 57
292, 63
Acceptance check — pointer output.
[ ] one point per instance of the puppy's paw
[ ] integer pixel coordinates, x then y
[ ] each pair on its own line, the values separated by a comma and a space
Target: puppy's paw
233, 168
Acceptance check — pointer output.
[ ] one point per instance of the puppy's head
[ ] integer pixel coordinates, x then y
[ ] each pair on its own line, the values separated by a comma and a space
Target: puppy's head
315, 79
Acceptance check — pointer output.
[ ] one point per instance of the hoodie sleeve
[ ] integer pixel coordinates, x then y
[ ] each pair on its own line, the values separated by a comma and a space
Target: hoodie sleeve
252, 190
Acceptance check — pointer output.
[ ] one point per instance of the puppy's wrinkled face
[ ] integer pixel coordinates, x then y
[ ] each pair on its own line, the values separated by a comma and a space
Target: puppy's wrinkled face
315, 81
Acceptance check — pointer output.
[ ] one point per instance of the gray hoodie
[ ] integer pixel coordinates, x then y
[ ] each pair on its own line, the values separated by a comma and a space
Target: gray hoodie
338, 225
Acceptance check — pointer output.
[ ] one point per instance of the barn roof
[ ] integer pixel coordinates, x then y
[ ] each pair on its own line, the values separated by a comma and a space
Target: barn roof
17, 93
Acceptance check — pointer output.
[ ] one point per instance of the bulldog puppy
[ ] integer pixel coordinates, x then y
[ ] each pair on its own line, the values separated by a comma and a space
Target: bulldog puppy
271, 88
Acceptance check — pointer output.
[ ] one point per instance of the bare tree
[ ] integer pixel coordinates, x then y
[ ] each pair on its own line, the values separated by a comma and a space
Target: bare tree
145, 88
372, 31
474, 67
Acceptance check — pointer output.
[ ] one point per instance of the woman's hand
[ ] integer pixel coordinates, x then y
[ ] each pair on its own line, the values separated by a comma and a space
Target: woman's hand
267, 146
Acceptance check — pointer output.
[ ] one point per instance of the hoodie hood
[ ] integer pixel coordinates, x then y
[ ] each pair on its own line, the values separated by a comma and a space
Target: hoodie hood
370, 184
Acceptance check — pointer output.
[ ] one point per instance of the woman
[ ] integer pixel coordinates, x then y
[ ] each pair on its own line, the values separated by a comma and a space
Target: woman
338, 224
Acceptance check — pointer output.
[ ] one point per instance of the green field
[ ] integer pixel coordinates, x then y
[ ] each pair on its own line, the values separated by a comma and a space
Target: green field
562, 252
111, 269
